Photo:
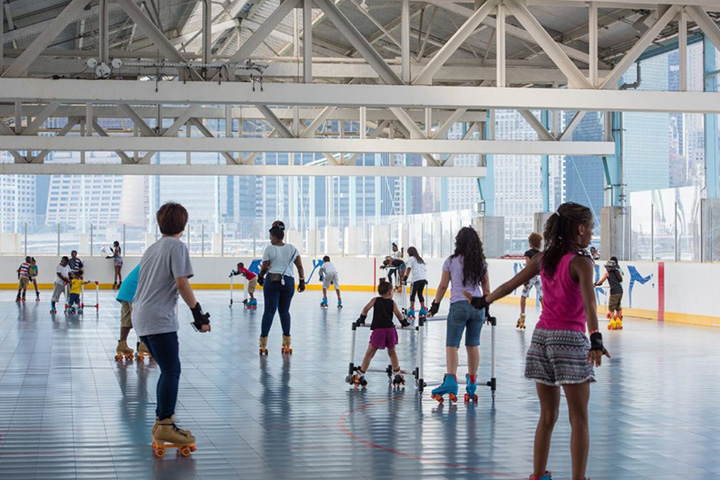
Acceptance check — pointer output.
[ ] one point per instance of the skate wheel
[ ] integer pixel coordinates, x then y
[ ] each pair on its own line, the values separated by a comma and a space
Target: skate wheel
184, 452
193, 448
452, 397
159, 452
475, 398
118, 358
439, 398
467, 397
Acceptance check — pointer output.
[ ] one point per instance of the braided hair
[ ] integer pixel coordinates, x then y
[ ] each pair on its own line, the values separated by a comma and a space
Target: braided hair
561, 232
470, 248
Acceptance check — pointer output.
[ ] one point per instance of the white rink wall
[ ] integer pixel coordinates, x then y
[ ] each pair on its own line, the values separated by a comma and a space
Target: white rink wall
678, 292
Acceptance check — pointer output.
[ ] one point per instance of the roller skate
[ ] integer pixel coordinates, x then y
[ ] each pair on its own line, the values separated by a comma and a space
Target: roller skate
71, 310
358, 379
399, 380
449, 386
252, 304
79, 311
263, 346
520, 325
172, 419
547, 476
470, 394
17, 299
53, 310
37, 296
339, 305
324, 303
411, 314
123, 351
286, 345
168, 435
423, 312
142, 352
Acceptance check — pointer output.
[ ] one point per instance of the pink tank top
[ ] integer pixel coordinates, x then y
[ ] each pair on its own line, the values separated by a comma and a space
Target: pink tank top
562, 299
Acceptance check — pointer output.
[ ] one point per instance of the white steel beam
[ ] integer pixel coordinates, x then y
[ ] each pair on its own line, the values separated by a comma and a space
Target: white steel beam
104, 31
501, 67
644, 4
23, 62
459, 37
304, 145
72, 121
358, 41
404, 40
706, 24
229, 159
575, 77
415, 97
154, 34
124, 157
307, 41
138, 120
239, 170
683, 49
5, 130
536, 125
35, 125
319, 120
593, 43
634, 53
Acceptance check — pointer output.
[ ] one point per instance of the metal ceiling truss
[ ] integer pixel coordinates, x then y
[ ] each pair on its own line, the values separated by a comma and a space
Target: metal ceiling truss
392, 89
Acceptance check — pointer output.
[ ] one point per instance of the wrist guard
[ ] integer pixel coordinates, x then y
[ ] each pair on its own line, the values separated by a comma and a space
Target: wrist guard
361, 319
596, 342
479, 303
201, 318
301, 286
434, 308
261, 280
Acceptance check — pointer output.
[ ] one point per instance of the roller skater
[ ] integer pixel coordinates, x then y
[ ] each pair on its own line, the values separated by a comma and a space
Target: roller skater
277, 262
62, 278
286, 345
383, 333
535, 242
252, 281
560, 355
466, 270
165, 272
125, 296
613, 275
470, 395
324, 303
23, 273
76, 284
33, 277
449, 387
329, 276
416, 266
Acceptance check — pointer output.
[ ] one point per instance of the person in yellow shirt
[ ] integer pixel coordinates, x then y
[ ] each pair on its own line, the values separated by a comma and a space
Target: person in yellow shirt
76, 283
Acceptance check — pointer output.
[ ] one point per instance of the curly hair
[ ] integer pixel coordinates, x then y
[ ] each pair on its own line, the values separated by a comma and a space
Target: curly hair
470, 248
561, 232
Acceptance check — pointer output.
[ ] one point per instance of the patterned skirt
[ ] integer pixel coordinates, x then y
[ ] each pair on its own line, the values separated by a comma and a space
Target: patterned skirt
558, 357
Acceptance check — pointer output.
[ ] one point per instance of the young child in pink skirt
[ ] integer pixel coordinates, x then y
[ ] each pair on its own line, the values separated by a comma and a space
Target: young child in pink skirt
383, 333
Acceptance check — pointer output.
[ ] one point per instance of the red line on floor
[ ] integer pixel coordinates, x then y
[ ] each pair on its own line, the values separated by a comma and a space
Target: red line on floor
661, 291
343, 420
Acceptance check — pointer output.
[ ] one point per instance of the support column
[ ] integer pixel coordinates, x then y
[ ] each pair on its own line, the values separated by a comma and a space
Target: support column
405, 41
486, 185
545, 166
615, 233
492, 233
539, 220
307, 41
712, 172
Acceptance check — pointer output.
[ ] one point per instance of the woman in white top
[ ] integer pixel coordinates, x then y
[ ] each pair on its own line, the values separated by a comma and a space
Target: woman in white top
416, 266
279, 287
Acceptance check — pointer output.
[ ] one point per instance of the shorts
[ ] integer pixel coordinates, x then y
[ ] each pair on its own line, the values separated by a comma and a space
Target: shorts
331, 278
614, 302
382, 338
118, 261
534, 282
252, 285
74, 299
558, 357
126, 314
24, 281
464, 317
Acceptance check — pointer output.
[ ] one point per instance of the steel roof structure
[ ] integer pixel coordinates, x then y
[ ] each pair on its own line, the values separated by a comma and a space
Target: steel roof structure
400, 72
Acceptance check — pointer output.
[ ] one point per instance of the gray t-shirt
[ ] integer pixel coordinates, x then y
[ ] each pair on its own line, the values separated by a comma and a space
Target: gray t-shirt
154, 304
281, 258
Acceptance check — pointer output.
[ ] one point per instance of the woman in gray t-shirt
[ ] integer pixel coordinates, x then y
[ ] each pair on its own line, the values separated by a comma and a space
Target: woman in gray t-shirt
276, 278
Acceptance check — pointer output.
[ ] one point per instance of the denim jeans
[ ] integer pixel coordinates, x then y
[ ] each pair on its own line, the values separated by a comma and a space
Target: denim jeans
464, 317
277, 297
165, 349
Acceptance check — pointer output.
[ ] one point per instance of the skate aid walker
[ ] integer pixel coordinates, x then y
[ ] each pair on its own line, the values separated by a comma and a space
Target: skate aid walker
97, 297
397, 379
449, 385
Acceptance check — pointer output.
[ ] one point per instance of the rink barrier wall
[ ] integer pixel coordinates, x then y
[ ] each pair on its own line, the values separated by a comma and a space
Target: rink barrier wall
660, 291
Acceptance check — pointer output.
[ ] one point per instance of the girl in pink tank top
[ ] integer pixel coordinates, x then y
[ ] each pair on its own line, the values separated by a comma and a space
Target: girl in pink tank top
560, 354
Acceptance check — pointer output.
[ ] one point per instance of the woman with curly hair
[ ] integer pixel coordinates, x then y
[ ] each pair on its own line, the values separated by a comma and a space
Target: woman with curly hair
466, 270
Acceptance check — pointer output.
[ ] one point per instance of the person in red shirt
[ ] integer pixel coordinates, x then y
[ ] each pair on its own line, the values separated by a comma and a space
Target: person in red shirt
251, 283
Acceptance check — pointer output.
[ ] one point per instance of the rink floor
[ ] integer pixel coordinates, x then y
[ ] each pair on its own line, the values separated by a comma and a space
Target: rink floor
68, 410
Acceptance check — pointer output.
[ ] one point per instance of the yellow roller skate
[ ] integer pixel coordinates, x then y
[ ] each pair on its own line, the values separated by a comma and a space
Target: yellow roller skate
520, 325
169, 435
142, 352
123, 351
263, 346
286, 344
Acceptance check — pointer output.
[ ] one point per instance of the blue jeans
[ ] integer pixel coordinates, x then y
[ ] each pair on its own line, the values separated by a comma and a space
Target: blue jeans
165, 349
464, 316
277, 297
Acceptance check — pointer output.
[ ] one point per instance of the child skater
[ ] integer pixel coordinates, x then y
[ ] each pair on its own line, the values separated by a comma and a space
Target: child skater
33, 277
560, 354
76, 283
535, 241
329, 276
251, 284
614, 276
416, 266
23, 273
467, 270
383, 334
